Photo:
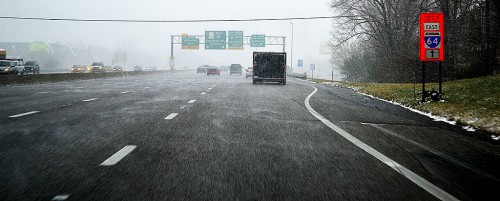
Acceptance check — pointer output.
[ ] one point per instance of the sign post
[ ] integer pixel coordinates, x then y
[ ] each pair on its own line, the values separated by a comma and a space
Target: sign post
431, 44
313, 67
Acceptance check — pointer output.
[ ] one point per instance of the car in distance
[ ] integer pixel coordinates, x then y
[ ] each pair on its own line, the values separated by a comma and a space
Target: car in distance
97, 67
249, 72
213, 70
202, 69
6, 66
76, 69
235, 69
32, 66
137, 68
117, 69
18, 66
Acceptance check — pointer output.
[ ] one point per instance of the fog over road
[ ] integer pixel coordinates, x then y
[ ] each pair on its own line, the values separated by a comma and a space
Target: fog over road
188, 136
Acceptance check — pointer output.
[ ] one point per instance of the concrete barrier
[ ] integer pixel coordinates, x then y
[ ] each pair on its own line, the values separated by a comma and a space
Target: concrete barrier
6, 80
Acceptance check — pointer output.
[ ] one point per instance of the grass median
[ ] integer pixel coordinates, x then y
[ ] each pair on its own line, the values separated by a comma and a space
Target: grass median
473, 102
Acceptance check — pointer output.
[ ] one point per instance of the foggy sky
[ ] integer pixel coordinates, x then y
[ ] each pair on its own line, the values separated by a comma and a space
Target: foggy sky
153, 39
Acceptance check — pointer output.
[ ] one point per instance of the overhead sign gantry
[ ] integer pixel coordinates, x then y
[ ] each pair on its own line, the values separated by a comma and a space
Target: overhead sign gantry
219, 40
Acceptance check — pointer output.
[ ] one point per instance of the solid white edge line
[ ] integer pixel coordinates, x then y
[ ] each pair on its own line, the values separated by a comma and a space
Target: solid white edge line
60, 197
171, 116
23, 114
87, 100
424, 184
115, 158
192, 101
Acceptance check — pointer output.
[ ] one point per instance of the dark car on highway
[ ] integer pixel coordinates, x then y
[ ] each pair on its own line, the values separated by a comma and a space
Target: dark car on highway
213, 70
201, 69
32, 67
235, 69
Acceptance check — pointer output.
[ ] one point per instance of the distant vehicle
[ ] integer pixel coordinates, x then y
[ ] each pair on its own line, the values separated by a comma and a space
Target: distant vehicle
138, 68
6, 66
19, 67
269, 67
201, 69
86, 68
249, 72
117, 69
77, 69
97, 67
235, 69
108, 68
32, 66
3, 54
213, 70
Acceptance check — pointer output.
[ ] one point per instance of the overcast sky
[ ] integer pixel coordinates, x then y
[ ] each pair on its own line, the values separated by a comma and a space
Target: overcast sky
154, 38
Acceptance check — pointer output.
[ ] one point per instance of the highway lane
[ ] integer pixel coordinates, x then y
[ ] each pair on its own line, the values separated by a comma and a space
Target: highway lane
228, 140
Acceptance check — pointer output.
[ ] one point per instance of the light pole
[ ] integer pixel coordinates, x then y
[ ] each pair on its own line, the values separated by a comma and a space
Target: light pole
291, 54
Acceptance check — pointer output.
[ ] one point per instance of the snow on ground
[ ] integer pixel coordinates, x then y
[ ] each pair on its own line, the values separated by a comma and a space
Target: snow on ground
430, 115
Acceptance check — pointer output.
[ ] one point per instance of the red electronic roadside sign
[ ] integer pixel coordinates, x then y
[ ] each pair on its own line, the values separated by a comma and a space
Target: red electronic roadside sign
431, 37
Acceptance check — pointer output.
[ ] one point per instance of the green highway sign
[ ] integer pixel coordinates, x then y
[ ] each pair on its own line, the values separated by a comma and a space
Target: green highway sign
235, 40
190, 43
258, 40
215, 40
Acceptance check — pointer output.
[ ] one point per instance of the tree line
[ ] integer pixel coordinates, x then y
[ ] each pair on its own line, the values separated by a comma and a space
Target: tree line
378, 40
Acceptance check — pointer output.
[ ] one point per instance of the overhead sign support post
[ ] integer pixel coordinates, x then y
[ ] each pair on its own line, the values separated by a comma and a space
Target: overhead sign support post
431, 47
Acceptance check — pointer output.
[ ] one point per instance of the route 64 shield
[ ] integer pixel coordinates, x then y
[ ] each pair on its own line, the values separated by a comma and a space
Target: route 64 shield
432, 40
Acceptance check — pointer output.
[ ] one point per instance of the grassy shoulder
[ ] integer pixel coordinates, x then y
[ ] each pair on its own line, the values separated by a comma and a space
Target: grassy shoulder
474, 102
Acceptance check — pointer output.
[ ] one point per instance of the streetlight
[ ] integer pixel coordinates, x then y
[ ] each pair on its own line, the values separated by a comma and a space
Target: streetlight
291, 55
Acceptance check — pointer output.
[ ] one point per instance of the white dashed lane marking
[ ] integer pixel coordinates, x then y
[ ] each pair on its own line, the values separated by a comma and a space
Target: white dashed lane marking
203, 93
115, 158
125, 92
92, 99
23, 114
171, 116
192, 101
61, 197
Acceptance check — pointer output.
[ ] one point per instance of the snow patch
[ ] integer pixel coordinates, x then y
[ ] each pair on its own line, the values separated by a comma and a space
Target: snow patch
495, 137
469, 128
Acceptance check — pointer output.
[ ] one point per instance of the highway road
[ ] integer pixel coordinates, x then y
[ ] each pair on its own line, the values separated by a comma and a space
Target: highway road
188, 136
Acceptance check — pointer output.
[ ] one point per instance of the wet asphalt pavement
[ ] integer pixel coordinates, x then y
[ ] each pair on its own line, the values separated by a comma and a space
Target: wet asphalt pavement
188, 136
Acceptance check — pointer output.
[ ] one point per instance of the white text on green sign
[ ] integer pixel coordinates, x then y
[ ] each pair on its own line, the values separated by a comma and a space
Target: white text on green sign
215, 40
235, 40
